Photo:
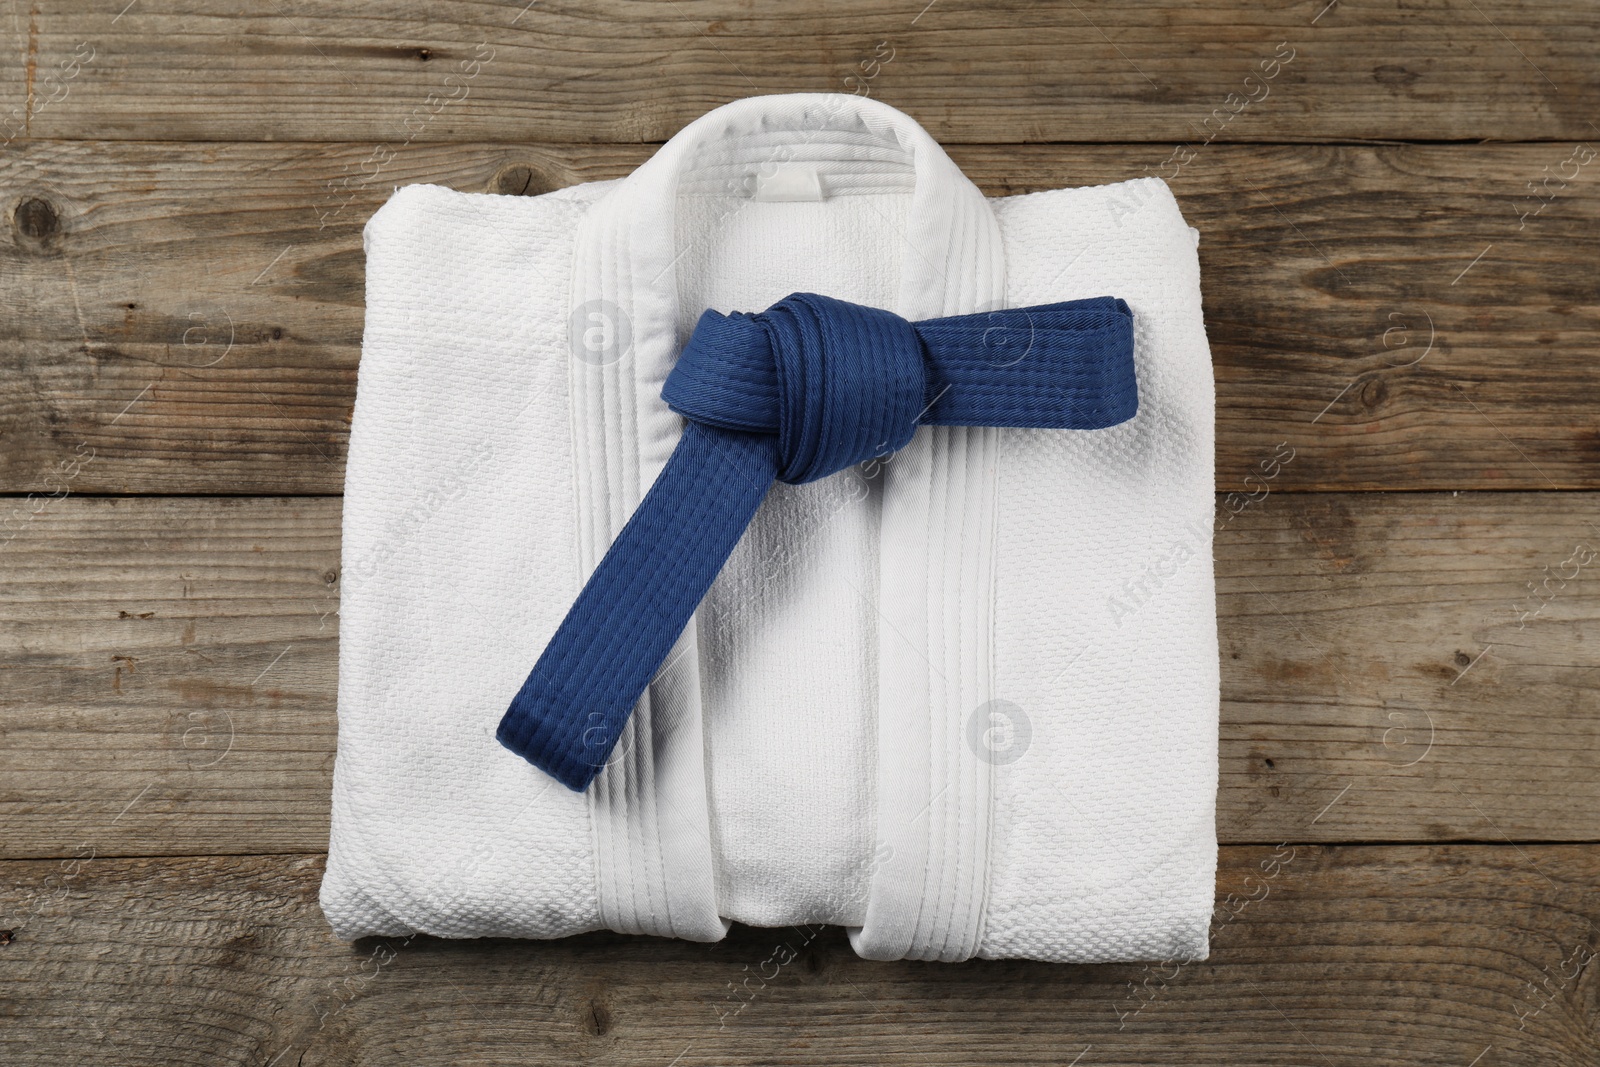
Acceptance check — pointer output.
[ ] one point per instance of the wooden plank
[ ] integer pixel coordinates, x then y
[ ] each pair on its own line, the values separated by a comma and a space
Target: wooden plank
168, 671
1400, 667
1022, 70
15, 118
192, 314
1332, 957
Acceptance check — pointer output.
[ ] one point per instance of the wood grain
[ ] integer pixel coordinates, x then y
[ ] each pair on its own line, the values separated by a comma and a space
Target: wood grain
192, 314
1321, 957
169, 670
169, 673
1021, 70
183, 189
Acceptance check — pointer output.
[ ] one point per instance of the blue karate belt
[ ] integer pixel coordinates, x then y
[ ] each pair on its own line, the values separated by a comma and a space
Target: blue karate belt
798, 392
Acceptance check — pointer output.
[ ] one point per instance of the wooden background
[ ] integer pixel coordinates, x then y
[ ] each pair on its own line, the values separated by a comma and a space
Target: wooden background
1399, 262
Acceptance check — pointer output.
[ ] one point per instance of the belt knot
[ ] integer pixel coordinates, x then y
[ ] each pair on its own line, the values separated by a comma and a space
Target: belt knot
837, 383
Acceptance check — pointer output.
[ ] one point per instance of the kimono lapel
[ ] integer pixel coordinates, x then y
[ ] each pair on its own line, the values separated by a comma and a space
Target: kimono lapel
657, 863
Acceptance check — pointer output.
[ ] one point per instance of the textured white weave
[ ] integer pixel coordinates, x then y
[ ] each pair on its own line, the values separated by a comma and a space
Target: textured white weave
963, 702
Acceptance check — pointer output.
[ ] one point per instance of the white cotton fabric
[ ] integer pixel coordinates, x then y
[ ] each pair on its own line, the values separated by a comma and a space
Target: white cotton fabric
962, 702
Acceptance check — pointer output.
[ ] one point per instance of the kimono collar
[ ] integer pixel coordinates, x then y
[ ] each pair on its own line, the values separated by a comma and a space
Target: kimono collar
625, 268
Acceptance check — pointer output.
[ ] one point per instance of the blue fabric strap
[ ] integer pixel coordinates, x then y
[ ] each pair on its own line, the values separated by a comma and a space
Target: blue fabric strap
798, 392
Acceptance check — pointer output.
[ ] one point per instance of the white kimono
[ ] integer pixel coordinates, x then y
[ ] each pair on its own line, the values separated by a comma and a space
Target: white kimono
962, 701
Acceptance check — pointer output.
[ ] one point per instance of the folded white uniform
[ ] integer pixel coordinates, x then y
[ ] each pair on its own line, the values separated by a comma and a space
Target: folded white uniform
962, 701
